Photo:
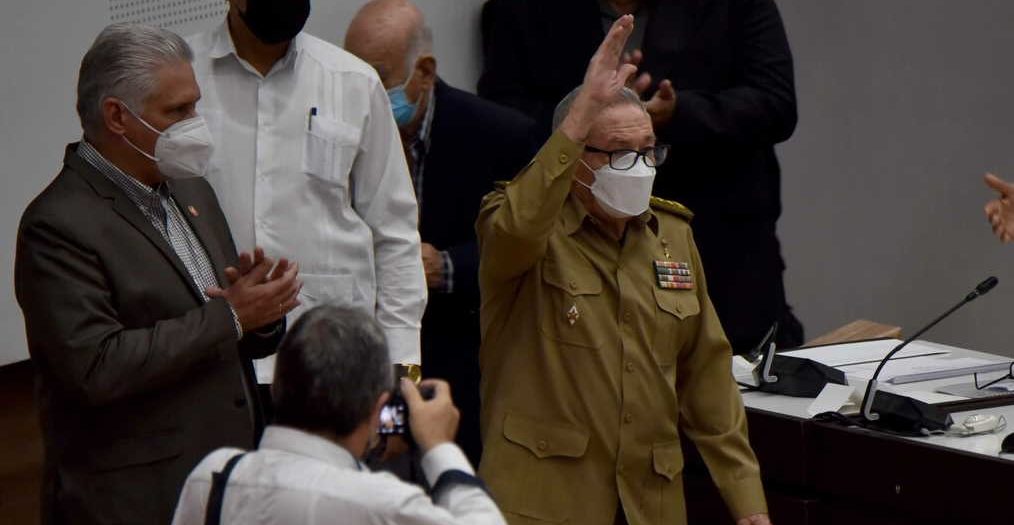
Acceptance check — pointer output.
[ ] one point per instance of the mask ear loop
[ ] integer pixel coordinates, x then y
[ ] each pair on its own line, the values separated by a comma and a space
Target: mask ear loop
589, 168
149, 126
415, 65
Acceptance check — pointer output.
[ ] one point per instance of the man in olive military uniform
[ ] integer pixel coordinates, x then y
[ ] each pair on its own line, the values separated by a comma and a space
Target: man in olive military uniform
599, 340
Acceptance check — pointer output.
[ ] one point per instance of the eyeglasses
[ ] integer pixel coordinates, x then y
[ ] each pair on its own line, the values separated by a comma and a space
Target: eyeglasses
984, 386
624, 159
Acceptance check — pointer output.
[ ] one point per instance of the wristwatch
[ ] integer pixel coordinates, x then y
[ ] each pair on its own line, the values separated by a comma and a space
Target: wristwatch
409, 370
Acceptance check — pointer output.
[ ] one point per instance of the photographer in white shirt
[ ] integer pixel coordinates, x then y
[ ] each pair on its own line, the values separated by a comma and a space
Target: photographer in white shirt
332, 377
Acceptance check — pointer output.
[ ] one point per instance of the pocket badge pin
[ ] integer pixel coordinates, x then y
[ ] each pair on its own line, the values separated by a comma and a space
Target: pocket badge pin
573, 315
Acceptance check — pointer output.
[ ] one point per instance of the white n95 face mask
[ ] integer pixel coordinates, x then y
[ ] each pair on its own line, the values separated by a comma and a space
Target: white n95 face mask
183, 150
625, 193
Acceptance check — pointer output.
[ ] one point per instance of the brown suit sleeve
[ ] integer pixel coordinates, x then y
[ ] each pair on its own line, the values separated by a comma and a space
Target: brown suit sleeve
73, 329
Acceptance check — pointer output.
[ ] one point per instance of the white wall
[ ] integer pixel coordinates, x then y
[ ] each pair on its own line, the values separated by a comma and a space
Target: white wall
903, 105
41, 45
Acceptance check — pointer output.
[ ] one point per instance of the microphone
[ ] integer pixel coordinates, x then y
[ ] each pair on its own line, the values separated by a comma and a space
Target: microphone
787, 375
904, 413
981, 289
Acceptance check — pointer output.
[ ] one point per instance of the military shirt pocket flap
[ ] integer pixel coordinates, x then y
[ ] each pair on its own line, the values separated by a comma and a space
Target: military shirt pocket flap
681, 303
543, 439
136, 450
574, 281
667, 459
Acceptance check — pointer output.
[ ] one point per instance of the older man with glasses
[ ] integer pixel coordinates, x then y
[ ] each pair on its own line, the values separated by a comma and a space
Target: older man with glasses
599, 339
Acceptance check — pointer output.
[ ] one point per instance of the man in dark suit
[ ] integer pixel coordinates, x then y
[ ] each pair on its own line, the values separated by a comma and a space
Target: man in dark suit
719, 81
141, 318
457, 145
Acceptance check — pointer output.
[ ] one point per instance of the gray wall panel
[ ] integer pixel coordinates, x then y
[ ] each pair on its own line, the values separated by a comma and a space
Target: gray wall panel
903, 105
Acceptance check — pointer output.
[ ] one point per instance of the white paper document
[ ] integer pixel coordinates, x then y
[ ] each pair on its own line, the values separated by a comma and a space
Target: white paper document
832, 398
924, 368
932, 398
863, 352
742, 370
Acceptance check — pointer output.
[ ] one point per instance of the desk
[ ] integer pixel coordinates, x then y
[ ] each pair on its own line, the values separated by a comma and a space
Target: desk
822, 473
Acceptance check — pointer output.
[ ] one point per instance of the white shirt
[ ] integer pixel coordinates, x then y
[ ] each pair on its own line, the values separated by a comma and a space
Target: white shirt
332, 191
296, 477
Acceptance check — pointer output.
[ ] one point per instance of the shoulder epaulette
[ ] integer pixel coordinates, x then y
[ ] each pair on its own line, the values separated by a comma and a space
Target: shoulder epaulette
672, 207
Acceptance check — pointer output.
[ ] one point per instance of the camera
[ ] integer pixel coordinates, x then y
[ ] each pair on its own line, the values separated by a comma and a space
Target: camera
394, 414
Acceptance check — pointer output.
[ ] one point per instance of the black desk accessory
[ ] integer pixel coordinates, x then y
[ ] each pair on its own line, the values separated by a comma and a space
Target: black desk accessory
790, 376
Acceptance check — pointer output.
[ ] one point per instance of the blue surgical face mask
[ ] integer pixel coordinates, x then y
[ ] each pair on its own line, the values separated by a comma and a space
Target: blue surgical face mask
404, 111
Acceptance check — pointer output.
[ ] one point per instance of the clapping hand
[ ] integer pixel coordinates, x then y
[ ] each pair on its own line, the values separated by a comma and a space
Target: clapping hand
1000, 211
260, 291
662, 104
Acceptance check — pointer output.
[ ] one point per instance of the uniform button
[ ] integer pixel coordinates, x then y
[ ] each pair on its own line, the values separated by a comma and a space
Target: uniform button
670, 469
630, 366
678, 310
573, 285
564, 158
628, 418
240, 402
627, 316
542, 445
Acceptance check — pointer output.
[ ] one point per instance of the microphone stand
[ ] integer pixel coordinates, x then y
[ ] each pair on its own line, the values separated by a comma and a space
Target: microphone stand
762, 373
871, 388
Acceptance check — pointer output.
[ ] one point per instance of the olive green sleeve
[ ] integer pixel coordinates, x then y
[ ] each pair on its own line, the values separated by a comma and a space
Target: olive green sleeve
515, 223
712, 409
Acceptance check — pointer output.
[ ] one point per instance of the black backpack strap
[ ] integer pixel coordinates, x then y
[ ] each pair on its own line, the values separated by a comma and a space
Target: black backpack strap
219, 480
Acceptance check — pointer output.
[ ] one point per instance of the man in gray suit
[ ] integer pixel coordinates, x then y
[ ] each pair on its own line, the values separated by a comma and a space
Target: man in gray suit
141, 318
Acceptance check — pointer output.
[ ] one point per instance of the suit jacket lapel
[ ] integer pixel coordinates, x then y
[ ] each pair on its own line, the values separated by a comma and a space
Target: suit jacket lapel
130, 213
191, 209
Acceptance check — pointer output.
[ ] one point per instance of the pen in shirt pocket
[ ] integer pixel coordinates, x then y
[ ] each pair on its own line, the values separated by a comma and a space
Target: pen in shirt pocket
309, 119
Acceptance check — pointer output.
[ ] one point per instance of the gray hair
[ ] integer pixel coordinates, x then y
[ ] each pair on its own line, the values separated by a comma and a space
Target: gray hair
122, 63
625, 96
330, 370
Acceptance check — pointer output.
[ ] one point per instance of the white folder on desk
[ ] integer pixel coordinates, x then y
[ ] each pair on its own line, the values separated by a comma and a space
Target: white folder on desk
924, 368
864, 352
